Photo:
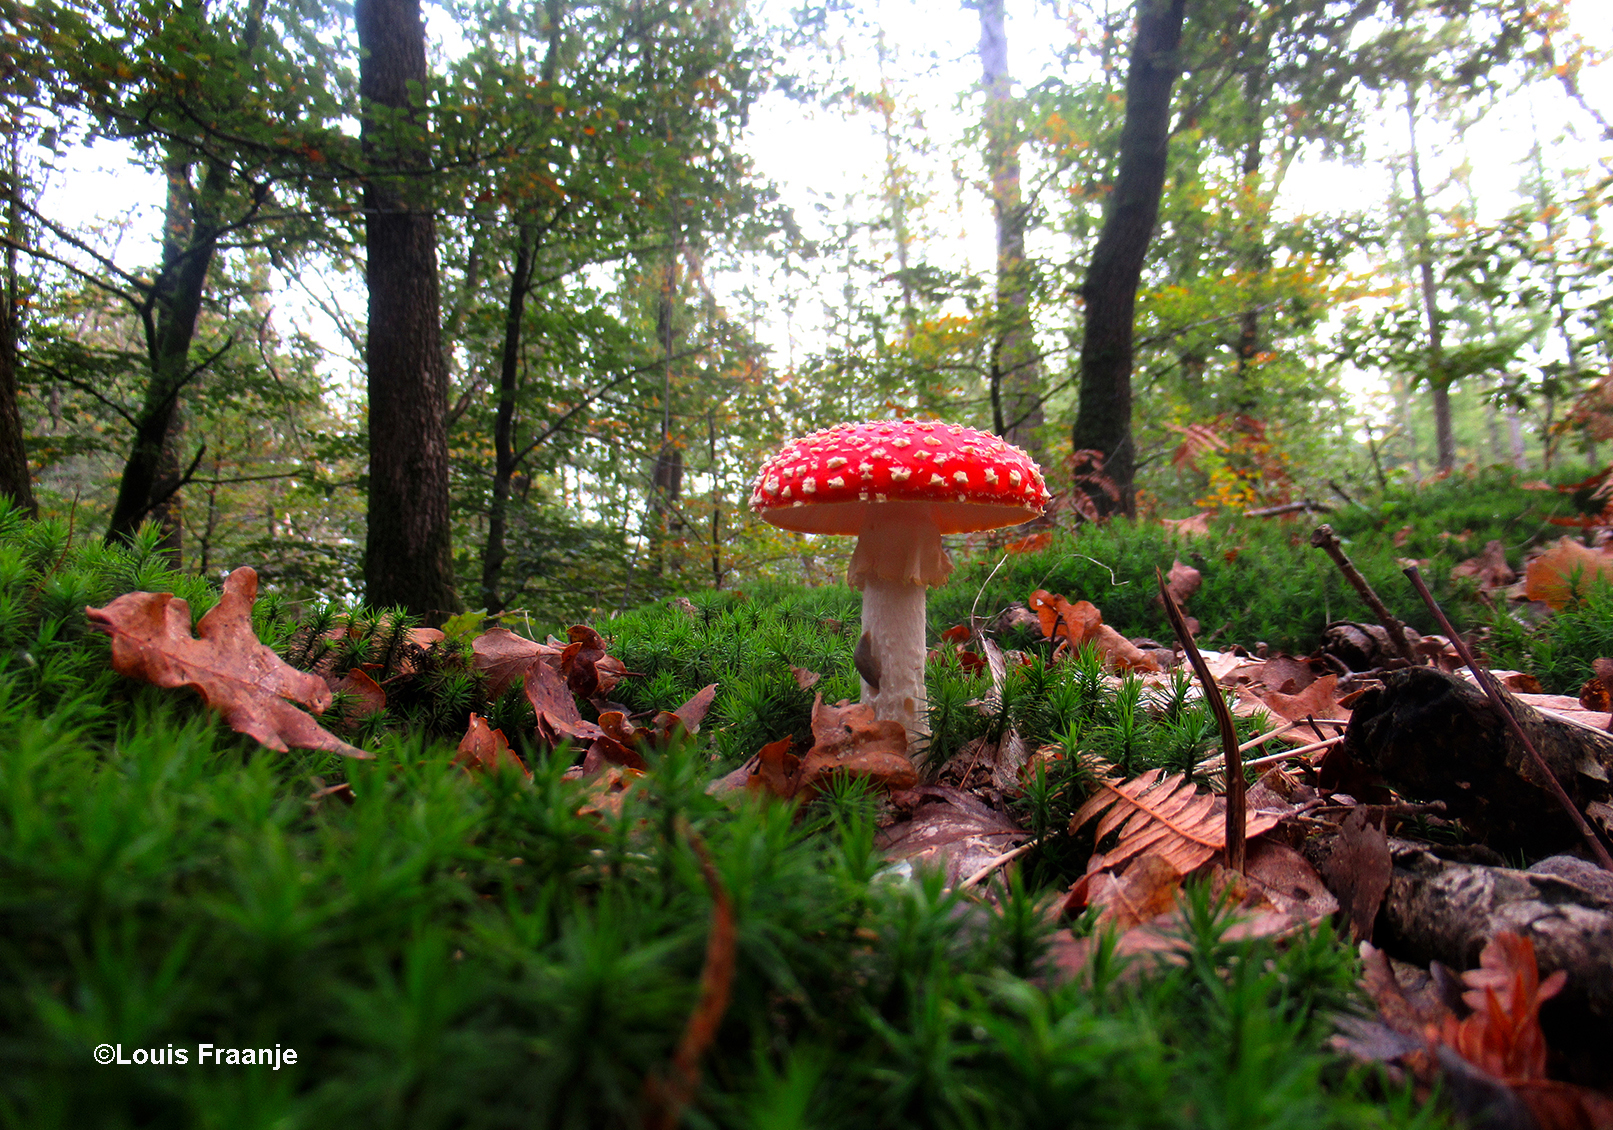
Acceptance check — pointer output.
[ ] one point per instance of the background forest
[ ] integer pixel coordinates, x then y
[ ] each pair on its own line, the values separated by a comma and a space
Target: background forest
499, 307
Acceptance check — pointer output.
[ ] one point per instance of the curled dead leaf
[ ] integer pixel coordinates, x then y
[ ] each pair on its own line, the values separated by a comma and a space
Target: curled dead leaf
224, 662
484, 749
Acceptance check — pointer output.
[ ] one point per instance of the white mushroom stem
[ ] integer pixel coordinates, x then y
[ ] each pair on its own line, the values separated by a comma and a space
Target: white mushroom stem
898, 556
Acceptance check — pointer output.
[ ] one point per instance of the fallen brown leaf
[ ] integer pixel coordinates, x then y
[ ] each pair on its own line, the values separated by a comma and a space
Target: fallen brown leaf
847, 738
487, 750
1489, 568
366, 695
1358, 870
224, 662
505, 657
1566, 568
1196, 526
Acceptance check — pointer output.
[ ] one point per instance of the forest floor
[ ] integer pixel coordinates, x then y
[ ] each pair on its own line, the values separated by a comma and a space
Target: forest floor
649, 873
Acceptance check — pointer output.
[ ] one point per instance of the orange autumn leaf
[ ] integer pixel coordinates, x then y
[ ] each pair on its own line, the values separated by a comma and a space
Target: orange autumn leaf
1060, 619
224, 662
1565, 569
487, 750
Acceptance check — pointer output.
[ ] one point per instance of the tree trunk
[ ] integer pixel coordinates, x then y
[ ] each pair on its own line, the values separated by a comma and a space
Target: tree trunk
174, 306
16, 482
1256, 258
1438, 382
1016, 371
494, 553
408, 553
1103, 419
506, 461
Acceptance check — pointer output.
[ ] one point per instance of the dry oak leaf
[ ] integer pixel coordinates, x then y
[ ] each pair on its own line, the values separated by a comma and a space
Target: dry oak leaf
848, 739
1564, 569
588, 670
1196, 526
227, 665
486, 749
505, 657
1318, 700
1165, 815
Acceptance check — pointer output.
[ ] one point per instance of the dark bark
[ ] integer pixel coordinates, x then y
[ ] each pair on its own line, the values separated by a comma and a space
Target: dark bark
506, 460
16, 481
1439, 383
1016, 371
1434, 736
1103, 419
1446, 911
173, 308
504, 457
1256, 257
408, 553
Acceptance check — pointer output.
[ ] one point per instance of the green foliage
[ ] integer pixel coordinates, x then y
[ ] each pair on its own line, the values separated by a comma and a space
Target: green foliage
1560, 650
450, 950
48, 654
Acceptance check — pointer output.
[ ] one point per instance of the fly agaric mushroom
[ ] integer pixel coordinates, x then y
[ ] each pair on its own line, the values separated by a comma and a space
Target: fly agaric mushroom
898, 485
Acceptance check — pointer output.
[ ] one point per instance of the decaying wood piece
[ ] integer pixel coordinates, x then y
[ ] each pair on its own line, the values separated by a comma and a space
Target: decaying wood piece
1435, 736
1492, 691
1438, 910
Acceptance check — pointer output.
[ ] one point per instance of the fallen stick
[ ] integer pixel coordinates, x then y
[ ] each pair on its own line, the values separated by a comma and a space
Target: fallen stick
1236, 805
992, 865
1326, 743
1327, 541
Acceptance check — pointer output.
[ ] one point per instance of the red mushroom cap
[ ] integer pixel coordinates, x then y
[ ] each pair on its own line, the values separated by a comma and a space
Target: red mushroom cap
829, 481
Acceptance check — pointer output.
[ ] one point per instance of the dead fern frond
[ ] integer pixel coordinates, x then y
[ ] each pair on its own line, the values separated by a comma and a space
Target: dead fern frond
1168, 816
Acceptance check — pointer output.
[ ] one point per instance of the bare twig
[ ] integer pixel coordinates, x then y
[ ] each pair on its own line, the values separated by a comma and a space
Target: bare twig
1229, 733
992, 865
1289, 508
1487, 683
667, 1096
1327, 541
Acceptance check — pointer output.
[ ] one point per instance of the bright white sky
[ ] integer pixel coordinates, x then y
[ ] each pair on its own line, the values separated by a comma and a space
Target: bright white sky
811, 153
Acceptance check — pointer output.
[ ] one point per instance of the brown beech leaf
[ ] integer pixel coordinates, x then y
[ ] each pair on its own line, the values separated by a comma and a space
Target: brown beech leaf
367, 695
1120, 652
847, 738
1030, 543
504, 657
952, 829
777, 770
1552, 577
693, 712
686, 717
227, 665
1142, 892
1359, 869
1061, 620
580, 660
1318, 700
805, 679
1196, 526
1183, 581
486, 750
1165, 815
1489, 568
607, 790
